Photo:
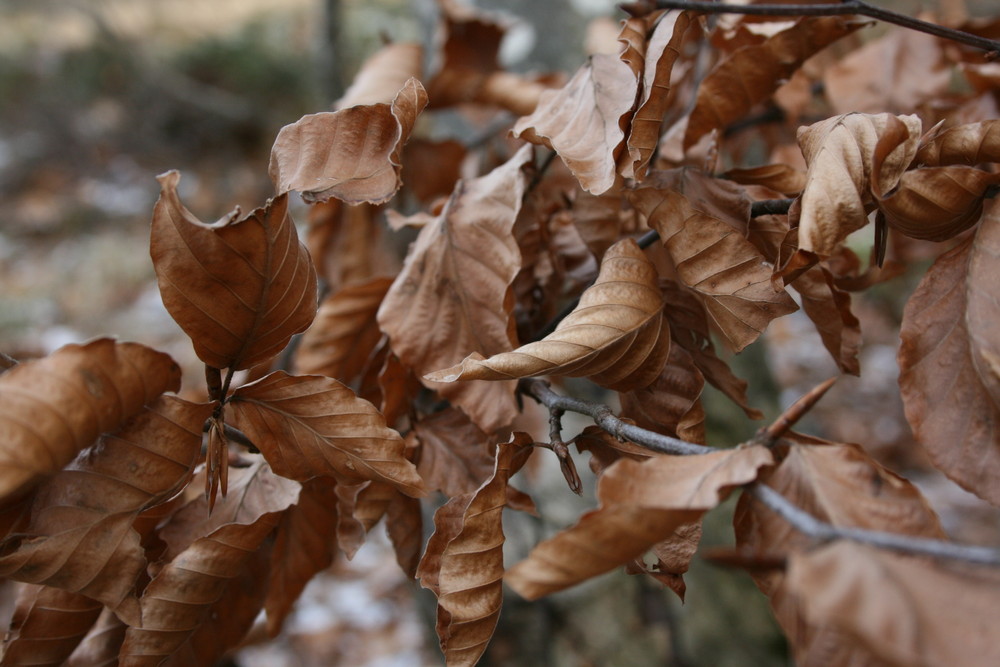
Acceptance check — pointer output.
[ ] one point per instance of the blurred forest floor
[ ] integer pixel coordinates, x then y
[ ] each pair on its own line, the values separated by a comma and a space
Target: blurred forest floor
98, 97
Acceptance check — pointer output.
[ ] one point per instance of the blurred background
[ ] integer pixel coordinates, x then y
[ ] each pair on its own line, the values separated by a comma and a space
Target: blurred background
97, 97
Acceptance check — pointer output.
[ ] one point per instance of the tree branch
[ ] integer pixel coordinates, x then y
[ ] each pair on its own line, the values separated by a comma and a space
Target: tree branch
847, 7
798, 518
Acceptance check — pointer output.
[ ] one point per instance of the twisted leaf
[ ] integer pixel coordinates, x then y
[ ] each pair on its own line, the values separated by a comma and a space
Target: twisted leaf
239, 288
616, 336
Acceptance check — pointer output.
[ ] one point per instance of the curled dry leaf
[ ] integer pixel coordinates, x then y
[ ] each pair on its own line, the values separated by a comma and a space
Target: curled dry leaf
455, 456
970, 144
451, 297
344, 333
642, 504
463, 563
907, 611
727, 273
52, 408
948, 400
239, 288
842, 485
616, 336
383, 75
752, 73
47, 626
352, 154
584, 121
311, 426
80, 536
840, 152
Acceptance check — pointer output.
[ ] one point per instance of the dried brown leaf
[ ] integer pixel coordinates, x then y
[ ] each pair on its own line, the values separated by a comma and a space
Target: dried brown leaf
969, 144
616, 336
452, 296
672, 404
344, 333
455, 456
752, 73
240, 288
310, 426
584, 121
80, 536
383, 75
946, 397
47, 626
642, 504
782, 178
352, 154
840, 152
716, 261
52, 408
101, 645
907, 611
463, 563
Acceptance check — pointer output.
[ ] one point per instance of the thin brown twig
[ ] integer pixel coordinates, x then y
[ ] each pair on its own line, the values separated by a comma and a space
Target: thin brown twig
559, 448
845, 8
769, 435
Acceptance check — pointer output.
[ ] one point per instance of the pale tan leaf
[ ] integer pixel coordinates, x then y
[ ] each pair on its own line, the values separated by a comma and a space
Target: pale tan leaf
584, 121
455, 456
616, 336
970, 144
310, 426
54, 407
946, 400
47, 626
240, 288
344, 333
840, 152
661, 52
352, 154
727, 273
909, 612
383, 75
752, 73
80, 536
451, 297
463, 564
642, 504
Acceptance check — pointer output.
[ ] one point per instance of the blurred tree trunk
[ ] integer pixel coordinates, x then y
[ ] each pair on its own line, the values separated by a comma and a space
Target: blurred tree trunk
331, 61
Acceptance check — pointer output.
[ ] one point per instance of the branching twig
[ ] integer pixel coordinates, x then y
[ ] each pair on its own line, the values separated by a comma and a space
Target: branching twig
844, 8
561, 451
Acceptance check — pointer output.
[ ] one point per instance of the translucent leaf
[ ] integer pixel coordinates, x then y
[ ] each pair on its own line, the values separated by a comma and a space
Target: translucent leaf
616, 336
352, 154
239, 288
52, 408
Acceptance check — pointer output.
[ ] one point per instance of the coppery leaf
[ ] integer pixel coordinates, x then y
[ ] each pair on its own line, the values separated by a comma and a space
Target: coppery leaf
344, 333
52, 408
642, 504
584, 121
451, 297
309, 426
455, 456
352, 154
904, 610
383, 75
840, 152
712, 258
80, 535
47, 626
616, 336
946, 397
968, 144
752, 73
782, 178
239, 288
463, 564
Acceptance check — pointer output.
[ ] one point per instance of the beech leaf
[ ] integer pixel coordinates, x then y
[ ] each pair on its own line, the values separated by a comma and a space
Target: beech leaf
455, 456
642, 504
584, 121
352, 154
239, 288
47, 626
384, 74
54, 407
310, 426
463, 564
451, 297
969, 144
616, 336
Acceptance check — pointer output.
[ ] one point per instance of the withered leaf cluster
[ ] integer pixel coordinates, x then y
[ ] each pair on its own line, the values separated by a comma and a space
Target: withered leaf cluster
613, 232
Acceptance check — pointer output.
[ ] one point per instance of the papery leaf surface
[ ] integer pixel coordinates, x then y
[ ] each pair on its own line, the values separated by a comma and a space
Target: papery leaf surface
101, 645
383, 75
240, 287
455, 457
352, 154
968, 144
616, 336
47, 626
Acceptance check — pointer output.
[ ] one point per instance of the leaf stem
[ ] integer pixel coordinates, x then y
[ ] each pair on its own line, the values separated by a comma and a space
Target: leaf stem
847, 7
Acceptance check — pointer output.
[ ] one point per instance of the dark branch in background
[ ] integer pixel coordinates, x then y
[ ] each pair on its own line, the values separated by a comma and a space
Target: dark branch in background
845, 8
798, 518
